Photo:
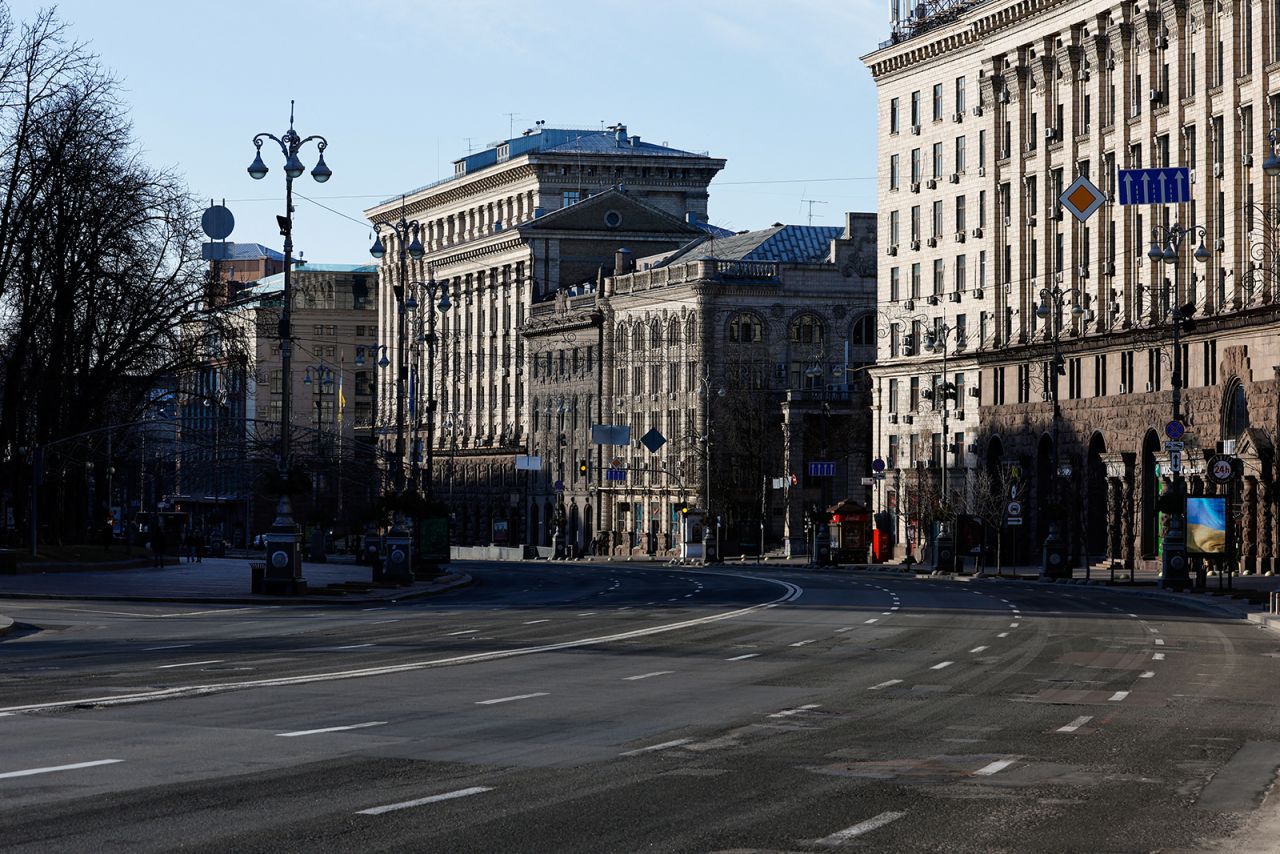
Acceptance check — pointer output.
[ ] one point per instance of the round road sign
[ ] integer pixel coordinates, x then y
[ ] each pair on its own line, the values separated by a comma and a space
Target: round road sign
877, 465
1174, 430
1221, 469
217, 222
1014, 508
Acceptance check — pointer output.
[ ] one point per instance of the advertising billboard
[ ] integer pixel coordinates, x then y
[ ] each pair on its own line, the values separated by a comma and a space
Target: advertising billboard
1207, 526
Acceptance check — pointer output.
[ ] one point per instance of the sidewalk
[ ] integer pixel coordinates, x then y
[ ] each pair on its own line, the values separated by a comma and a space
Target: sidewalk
223, 581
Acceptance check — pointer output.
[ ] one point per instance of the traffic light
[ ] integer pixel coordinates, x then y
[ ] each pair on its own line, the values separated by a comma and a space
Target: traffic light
684, 508
582, 468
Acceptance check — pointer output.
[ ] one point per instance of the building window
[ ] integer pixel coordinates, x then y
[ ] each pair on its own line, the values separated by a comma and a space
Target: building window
960, 217
915, 109
893, 395
894, 163
893, 116
960, 154
937, 219
893, 228
569, 197
745, 329
937, 160
959, 94
937, 102
939, 278
895, 285
807, 329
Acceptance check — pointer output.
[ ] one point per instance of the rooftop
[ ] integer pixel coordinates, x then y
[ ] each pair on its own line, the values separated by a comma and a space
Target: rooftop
253, 251
792, 244
544, 140
275, 282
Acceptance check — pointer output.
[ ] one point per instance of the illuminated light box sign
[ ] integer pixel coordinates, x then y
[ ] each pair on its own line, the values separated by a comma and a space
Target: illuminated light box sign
1207, 526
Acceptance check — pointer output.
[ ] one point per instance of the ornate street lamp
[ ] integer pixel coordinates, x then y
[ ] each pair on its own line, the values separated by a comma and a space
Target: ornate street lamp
284, 563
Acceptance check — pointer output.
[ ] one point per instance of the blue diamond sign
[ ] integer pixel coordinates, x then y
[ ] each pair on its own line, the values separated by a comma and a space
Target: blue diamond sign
653, 440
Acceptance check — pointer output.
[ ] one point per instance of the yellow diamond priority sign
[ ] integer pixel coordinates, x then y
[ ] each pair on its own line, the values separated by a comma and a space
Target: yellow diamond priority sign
1082, 198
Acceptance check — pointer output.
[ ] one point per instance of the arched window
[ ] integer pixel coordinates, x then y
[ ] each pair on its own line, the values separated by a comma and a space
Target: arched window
746, 328
535, 415
620, 341
1235, 414
637, 337
655, 335
673, 333
863, 332
807, 329
691, 330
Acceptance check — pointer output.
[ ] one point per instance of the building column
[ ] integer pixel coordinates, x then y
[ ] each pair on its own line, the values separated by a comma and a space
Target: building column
1266, 551
793, 536
1249, 527
1128, 545
1115, 516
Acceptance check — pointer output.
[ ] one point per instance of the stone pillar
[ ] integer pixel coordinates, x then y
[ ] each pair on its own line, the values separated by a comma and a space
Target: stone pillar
1115, 518
1128, 545
1249, 527
793, 536
1266, 553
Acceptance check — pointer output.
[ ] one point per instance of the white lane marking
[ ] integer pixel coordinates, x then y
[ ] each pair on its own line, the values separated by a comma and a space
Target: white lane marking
592, 613
297, 733
793, 592
191, 663
977, 649
30, 771
845, 629
885, 684
535, 622
383, 608
894, 608
652, 747
1135, 616
447, 796
1157, 656
1013, 625
1146, 674
379, 622
170, 646
873, 620
942, 665
647, 675
510, 699
886, 614
1076, 724
786, 713
1118, 696
463, 632
801, 643
1159, 641
994, 768
743, 657
842, 836
1153, 631
354, 646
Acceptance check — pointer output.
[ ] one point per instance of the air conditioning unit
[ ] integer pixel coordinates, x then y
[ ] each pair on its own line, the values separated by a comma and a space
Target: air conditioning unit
1162, 42
1083, 272
1056, 214
973, 392
915, 244
1123, 390
958, 117
893, 418
893, 250
915, 130
932, 183
959, 237
977, 232
1050, 134
977, 111
1084, 75
1192, 174
955, 178
1109, 269
1217, 170
1221, 244
982, 171
971, 448
915, 186
909, 305
1003, 97
1008, 221
932, 242
1150, 387
1156, 96
955, 296
1111, 63
1031, 145
908, 419
959, 414
1031, 222
933, 300
977, 293
1247, 160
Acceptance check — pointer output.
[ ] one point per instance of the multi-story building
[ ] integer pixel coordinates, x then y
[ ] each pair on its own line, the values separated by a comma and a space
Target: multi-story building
987, 111
245, 264
513, 226
230, 410
745, 350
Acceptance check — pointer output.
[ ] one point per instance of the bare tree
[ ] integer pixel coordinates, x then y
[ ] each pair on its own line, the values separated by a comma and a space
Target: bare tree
983, 499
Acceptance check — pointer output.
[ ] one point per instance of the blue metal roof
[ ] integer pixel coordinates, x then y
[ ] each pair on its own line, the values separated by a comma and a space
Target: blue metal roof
791, 244
253, 251
276, 281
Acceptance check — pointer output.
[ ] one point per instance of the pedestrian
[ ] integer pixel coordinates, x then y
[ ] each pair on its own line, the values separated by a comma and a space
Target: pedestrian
189, 545
158, 544
199, 546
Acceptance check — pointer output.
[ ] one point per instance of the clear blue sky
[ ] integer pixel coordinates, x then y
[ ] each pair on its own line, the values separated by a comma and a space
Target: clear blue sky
398, 87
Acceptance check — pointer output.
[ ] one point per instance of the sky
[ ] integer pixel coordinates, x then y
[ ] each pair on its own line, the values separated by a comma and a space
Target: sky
402, 88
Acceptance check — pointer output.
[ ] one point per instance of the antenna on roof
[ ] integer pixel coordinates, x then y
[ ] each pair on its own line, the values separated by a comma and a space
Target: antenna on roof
811, 203
511, 124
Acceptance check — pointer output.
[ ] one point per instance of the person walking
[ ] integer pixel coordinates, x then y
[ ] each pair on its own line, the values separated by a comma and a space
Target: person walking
199, 544
158, 544
189, 545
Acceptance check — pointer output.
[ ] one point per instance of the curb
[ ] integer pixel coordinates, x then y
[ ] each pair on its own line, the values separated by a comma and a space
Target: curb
6, 625
1265, 620
462, 580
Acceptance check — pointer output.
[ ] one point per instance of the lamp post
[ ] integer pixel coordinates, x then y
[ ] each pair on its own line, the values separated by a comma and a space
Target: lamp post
1053, 302
704, 389
322, 385
1166, 246
937, 341
284, 565
436, 300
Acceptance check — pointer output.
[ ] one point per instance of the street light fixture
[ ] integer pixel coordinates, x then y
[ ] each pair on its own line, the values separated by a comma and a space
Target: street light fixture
1053, 303
1172, 238
1271, 164
284, 565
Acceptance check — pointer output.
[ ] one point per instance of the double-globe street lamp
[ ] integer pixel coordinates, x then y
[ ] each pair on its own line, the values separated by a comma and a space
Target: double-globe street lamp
938, 340
1166, 246
1053, 304
284, 565
436, 300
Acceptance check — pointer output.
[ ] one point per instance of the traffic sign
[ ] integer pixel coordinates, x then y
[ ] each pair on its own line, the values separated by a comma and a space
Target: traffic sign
1155, 186
1221, 469
1013, 520
1175, 461
1013, 508
868, 481
1174, 446
1175, 430
822, 469
877, 465
1082, 198
653, 440
559, 486
615, 474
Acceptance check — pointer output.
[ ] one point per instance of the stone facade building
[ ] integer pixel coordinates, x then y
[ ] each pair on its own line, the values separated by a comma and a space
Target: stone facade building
987, 111
514, 225
749, 345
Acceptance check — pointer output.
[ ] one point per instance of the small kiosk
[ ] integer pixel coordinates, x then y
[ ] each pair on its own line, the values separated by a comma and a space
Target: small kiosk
850, 529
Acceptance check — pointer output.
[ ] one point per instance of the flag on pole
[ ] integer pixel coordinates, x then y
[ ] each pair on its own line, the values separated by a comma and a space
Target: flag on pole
413, 375
342, 399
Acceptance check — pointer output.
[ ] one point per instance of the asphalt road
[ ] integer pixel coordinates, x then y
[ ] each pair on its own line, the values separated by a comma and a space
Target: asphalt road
553, 708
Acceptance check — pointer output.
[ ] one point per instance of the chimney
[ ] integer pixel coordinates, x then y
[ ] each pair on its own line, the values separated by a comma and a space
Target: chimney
692, 217
620, 134
622, 262
635, 140
849, 217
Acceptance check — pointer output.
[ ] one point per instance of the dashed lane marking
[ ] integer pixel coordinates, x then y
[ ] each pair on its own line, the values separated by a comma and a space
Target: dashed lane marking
297, 733
190, 664
873, 620
1146, 674
941, 665
1118, 696
511, 699
886, 684
447, 796
170, 646
1157, 656
535, 622
647, 675
663, 746
1013, 625
463, 632
802, 643
1076, 724
842, 836
1003, 635
994, 768
786, 713
743, 657
1159, 641
49, 770
977, 649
